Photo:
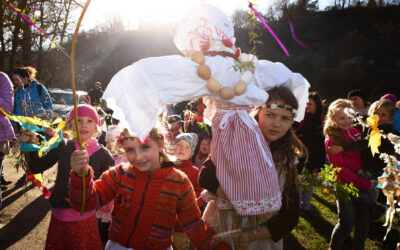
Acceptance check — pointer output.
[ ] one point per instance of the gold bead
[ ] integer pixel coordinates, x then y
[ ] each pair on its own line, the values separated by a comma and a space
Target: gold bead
240, 88
198, 57
227, 93
213, 85
204, 71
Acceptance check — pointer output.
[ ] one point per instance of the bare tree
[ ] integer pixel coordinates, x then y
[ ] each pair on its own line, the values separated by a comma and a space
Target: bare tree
19, 39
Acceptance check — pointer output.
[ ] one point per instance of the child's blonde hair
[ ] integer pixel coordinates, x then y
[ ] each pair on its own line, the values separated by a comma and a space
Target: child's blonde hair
330, 129
156, 134
388, 105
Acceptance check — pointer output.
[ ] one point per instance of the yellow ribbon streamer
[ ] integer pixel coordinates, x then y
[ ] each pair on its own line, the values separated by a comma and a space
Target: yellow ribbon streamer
43, 123
32, 120
374, 137
54, 139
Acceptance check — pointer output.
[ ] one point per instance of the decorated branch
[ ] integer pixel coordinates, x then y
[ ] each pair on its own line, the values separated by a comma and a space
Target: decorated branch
329, 183
36, 125
389, 181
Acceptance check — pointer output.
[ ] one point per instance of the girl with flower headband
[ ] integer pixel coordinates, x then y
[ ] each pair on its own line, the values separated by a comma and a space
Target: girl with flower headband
275, 119
68, 229
213, 67
150, 196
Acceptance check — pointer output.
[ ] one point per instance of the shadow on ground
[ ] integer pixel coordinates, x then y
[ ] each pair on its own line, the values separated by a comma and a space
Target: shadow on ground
7, 200
290, 242
24, 222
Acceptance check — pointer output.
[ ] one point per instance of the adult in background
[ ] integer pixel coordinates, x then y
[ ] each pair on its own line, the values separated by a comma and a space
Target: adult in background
31, 97
95, 94
309, 131
358, 101
6, 130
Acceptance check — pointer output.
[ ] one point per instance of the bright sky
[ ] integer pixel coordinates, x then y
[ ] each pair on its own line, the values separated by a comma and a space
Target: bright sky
136, 11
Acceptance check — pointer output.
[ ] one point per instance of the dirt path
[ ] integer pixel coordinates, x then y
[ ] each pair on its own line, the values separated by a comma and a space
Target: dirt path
25, 213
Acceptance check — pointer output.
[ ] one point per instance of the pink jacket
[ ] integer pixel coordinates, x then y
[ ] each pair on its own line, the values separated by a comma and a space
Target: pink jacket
349, 162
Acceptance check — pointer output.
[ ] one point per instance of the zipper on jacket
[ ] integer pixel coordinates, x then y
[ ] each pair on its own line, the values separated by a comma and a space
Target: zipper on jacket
140, 209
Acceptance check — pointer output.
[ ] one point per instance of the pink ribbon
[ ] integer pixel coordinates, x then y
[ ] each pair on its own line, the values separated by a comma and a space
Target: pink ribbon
145, 140
268, 28
294, 36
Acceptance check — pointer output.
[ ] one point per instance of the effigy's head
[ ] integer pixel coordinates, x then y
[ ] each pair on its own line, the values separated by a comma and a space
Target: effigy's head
204, 28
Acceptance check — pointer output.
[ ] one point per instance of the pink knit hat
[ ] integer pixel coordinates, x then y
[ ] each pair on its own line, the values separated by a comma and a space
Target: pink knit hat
390, 97
84, 110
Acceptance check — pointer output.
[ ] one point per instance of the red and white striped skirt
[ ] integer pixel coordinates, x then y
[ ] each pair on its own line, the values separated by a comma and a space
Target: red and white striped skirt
245, 169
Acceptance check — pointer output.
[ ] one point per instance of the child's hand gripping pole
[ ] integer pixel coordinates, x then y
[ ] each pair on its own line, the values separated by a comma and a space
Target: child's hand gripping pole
72, 62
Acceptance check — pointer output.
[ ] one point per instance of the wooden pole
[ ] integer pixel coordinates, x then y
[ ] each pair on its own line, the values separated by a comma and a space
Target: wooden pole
72, 62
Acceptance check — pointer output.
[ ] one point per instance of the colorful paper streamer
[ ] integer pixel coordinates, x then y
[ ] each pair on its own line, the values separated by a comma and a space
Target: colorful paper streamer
37, 181
375, 136
35, 125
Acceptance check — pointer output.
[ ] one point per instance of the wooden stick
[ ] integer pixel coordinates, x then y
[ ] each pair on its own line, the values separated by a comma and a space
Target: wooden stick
72, 62
80, 5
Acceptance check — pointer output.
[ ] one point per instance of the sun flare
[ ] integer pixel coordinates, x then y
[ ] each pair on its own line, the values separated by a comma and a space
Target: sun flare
134, 12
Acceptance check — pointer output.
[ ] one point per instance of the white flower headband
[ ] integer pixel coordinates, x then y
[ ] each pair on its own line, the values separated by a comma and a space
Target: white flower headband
283, 106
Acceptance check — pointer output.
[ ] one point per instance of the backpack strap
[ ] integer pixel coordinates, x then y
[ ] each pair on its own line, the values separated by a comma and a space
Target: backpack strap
40, 89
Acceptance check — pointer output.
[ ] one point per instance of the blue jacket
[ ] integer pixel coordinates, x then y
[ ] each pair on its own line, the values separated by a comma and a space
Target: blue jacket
28, 102
396, 121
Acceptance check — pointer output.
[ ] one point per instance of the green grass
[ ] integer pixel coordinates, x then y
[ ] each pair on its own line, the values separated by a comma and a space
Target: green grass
314, 232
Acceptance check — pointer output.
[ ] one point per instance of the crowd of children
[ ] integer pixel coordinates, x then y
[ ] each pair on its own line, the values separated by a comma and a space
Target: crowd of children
129, 214
189, 183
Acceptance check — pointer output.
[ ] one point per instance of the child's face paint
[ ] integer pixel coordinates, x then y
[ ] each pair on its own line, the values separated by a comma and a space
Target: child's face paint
182, 150
274, 123
87, 127
341, 120
383, 115
145, 157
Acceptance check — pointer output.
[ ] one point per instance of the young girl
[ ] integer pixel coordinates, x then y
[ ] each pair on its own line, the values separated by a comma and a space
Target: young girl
68, 229
275, 120
183, 148
204, 152
338, 131
150, 197
372, 163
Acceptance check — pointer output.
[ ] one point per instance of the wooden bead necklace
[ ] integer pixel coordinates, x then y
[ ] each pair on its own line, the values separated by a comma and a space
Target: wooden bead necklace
213, 84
